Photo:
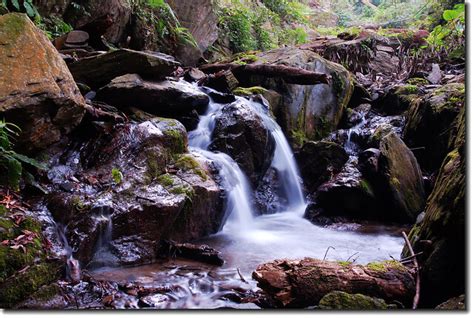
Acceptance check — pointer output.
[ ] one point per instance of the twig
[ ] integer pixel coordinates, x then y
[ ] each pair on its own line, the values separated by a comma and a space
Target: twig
417, 269
409, 258
327, 252
348, 259
241, 276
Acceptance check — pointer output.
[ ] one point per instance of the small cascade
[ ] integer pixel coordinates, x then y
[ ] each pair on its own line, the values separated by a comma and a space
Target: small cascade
103, 255
233, 180
73, 268
283, 162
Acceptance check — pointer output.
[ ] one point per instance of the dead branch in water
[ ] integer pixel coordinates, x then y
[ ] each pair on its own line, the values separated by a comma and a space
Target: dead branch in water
417, 268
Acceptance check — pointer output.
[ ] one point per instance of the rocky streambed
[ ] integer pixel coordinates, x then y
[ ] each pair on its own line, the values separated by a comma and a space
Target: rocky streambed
166, 189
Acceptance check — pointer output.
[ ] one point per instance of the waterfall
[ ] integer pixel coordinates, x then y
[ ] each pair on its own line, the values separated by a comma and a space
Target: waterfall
239, 210
73, 269
283, 162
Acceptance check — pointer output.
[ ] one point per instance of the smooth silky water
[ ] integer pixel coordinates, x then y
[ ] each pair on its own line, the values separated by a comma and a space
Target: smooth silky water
248, 239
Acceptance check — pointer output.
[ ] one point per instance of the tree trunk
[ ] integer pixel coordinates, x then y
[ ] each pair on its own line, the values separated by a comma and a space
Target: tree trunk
303, 283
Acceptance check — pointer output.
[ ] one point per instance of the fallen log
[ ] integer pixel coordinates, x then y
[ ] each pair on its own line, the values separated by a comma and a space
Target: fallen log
291, 75
303, 283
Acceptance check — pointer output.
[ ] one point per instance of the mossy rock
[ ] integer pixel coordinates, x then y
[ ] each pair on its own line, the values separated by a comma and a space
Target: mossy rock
249, 91
339, 300
19, 287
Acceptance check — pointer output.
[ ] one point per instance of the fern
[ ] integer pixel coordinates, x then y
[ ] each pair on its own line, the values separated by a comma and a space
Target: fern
11, 162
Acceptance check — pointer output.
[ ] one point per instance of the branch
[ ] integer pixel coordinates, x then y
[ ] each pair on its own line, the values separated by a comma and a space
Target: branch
417, 268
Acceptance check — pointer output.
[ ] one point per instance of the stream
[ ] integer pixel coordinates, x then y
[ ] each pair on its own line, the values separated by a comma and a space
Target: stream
248, 239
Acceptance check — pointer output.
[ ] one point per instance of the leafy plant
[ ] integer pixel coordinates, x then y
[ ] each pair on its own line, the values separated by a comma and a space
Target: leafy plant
12, 162
117, 176
25, 6
450, 34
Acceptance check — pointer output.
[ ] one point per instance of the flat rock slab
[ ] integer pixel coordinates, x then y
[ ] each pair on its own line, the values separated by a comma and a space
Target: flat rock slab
99, 70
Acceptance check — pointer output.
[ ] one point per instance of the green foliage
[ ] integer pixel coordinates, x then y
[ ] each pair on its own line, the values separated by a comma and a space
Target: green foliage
117, 176
54, 27
450, 34
11, 162
252, 26
159, 14
25, 6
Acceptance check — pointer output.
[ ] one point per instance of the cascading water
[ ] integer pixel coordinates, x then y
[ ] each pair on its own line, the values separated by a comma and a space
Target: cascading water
283, 161
238, 206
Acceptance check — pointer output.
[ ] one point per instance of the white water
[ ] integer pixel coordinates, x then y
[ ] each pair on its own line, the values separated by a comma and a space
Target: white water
247, 240
284, 163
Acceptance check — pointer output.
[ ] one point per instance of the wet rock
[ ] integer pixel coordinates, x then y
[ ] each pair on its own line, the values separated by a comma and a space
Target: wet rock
194, 75
164, 192
76, 39
338, 300
241, 133
431, 118
46, 298
319, 161
441, 236
38, 94
219, 97
200, 253
152, 300
99, 70
456, 303
347, 195
304, 283
403, 178
223, 81
311, 111
397, 99
164, 98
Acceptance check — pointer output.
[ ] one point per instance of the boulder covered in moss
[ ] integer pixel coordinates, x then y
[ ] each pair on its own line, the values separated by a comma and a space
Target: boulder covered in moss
165, 98
430, 119
311, 111
397, 99
441, 236
304, 283
24, 263
155, 189
338, 300
37, 92
242, 134
403, 187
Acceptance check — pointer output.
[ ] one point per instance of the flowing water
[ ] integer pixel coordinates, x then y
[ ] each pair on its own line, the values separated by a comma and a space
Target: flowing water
249, 239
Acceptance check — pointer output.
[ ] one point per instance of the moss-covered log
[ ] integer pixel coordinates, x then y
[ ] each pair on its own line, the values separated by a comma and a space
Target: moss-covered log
304, 283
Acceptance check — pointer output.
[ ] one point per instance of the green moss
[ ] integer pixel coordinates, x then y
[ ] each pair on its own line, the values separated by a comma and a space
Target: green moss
407, 90
78, 204
13, 25
417, 81
341, 300
249, 91
166, 180
176, 140
188, 163
187, 190
344, 263
366, 187
383, 266
299, 137
19, 287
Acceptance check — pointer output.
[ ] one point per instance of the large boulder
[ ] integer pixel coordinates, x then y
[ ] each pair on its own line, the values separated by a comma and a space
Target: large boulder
160, 191
305, 111
200, 19
429, 119
165, 98
319, 161
119, 12
37, 92
241, 133
441, 236
99, 70
402, 178
346, 195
